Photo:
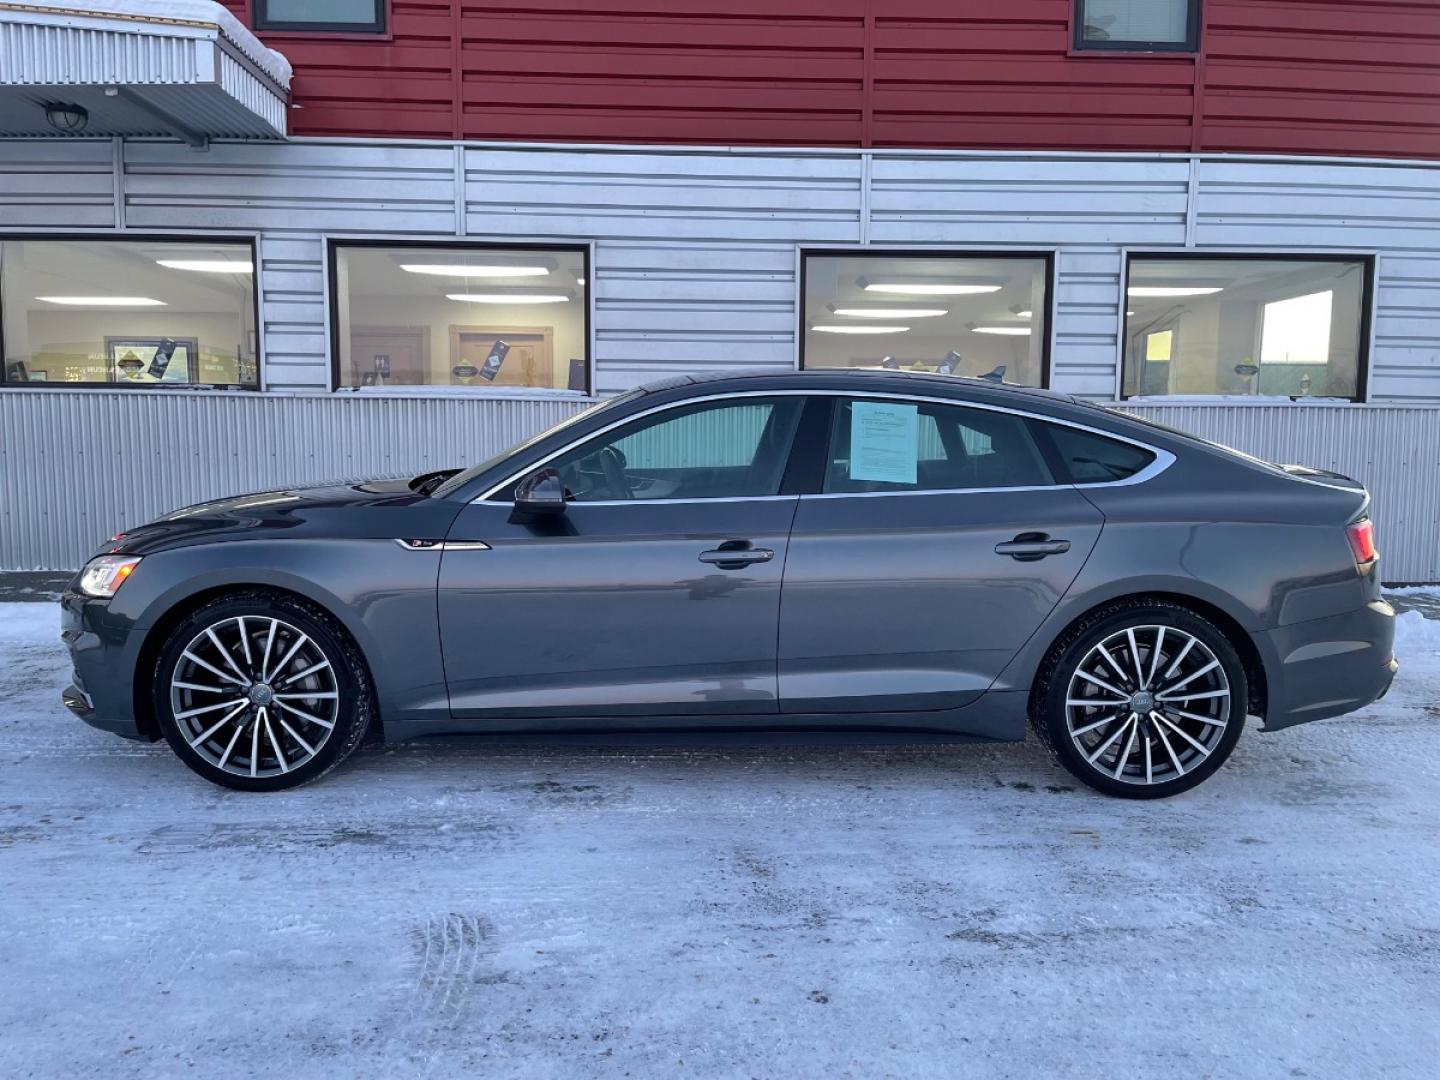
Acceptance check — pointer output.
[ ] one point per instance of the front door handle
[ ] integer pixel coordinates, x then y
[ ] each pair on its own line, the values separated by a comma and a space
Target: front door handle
736, 555
1027, 547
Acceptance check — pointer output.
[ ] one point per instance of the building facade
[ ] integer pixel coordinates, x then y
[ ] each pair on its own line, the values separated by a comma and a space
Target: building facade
288, 241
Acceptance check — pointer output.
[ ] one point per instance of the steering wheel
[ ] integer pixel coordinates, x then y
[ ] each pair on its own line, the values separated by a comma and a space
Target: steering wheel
612, 464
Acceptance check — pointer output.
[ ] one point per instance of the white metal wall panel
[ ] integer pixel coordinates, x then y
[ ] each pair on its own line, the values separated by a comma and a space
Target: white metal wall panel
1393, 210
48, 184
1392, 450
81, 465
695, 253
695, 260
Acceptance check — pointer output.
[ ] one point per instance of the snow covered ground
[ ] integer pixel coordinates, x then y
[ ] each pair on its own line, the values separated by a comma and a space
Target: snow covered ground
748, 911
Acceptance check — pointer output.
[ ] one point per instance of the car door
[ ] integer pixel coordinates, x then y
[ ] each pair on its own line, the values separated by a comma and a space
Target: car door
938, 543
655, 593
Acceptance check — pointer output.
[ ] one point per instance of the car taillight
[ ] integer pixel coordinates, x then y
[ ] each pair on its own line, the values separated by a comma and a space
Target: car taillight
1362, 541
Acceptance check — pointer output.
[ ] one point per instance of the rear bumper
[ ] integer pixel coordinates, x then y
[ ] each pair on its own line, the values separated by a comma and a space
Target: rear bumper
1328, 667
101, 690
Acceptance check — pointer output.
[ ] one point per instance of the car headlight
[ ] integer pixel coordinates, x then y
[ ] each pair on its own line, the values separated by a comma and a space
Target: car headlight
103, 575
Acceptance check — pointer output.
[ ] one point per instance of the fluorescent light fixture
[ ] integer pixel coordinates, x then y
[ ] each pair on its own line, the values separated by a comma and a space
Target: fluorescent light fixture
476, 270
1131, 313
209, 266
836, 328
1174, 290
929, 288
890, 312
1024, 314
1011, 331
509, 298
103, 301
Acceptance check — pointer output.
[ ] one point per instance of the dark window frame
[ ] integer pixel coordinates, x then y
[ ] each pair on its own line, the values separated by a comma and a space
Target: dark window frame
1364, 350
332, 298
260, 20
192, 239
806, 254
1194, 25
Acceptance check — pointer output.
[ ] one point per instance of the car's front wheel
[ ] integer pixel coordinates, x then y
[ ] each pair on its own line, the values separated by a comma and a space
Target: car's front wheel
1143, 699
261, 692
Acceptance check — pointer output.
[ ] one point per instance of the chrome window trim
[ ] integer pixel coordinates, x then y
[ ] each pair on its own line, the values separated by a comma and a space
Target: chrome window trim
1163, 458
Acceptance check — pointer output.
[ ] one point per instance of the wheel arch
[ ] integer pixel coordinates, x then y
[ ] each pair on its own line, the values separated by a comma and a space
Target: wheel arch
1256, 676
182, 608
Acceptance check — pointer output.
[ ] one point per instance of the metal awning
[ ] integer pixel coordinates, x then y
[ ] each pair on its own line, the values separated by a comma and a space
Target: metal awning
182, 68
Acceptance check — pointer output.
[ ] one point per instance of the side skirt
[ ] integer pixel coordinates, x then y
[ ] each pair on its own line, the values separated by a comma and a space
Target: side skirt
995, 717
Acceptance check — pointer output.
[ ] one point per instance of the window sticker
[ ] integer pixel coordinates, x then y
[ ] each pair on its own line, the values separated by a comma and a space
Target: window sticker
884, 442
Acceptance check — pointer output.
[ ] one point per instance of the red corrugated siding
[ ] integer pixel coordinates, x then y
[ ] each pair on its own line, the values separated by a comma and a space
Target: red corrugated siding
1303, 76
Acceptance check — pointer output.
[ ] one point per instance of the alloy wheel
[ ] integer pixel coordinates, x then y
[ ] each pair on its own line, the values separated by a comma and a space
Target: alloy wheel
254, 696
1147, 704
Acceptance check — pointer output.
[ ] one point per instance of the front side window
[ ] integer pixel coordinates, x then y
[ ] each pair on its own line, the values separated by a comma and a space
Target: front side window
1143, 25
1256, 327
357, 16
713, 450
481, 318
131, 313
879, 445
950, 315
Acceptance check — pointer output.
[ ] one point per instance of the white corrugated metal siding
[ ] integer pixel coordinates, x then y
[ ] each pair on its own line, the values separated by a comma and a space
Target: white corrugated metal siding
82, 465
695, 269
1393, 450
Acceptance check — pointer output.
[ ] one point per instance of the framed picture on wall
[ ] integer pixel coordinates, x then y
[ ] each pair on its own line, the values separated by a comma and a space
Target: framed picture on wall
152, 360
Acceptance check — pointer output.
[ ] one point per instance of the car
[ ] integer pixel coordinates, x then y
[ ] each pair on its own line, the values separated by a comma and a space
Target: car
871, 553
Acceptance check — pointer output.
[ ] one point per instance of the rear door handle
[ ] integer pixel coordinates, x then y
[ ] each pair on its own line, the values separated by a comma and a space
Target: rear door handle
1027, 547
736, 555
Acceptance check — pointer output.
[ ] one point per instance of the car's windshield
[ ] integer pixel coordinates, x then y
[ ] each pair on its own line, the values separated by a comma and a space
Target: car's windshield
463, 477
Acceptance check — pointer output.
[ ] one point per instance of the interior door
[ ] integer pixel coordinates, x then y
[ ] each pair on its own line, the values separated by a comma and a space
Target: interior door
656, 593
399, 350
938, 545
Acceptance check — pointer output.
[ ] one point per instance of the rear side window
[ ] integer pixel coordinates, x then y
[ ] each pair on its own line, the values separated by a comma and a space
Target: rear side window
1094, 459
878, 445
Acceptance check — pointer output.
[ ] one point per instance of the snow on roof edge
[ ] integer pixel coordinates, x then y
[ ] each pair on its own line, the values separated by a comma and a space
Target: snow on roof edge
205, 12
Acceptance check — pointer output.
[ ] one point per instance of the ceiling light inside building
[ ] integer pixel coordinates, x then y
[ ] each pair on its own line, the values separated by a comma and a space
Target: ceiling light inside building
929, 288
1011, 331
891, 312
836, 328
103, 301
465, 270
209, 266
1174, 290
509, 298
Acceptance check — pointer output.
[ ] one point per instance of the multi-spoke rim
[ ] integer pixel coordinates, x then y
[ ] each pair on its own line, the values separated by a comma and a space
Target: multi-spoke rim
1148, 704
254, 696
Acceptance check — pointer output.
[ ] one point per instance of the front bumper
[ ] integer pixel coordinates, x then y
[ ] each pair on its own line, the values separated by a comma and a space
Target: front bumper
1328, 667
103, 656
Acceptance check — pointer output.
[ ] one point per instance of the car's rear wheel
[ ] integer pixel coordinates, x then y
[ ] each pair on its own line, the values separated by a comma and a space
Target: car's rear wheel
261, 692
1143, 699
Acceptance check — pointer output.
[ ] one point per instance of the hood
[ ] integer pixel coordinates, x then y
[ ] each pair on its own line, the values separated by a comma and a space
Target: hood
369, 509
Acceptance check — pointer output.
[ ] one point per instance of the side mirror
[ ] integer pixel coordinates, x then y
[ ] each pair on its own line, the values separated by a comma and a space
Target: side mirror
540, 495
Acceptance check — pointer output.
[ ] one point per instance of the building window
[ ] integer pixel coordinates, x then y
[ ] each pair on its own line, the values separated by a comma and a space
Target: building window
344, 16
82, 312
1138, 25
1258, 327
460, 315
967, 315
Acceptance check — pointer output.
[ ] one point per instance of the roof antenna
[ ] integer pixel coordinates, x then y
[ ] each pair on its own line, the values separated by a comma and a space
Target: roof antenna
996, 375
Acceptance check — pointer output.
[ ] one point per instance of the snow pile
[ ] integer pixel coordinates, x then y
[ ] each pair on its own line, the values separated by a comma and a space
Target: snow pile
1415, 633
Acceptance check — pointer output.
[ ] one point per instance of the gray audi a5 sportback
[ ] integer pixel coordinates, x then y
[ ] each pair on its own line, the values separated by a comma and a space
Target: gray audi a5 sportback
816, 551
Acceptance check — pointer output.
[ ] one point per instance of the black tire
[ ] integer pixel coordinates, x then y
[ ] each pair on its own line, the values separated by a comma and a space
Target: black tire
348, 697
1052, 718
